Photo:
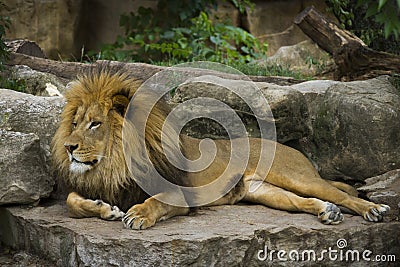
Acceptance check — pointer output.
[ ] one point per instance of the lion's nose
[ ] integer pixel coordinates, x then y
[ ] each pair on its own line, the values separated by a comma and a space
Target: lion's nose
70, 147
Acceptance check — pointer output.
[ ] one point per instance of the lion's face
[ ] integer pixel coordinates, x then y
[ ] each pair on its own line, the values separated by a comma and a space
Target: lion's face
90, 136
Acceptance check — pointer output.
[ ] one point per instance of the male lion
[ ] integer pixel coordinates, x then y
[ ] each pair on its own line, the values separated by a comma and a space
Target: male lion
87, 150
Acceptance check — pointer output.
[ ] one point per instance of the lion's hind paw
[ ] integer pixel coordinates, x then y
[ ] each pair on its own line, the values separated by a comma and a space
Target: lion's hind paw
376, 212
331, 214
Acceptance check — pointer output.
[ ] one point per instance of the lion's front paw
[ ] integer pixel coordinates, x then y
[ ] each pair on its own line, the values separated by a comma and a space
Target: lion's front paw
108, 212
331, 214
376, 212
139, 217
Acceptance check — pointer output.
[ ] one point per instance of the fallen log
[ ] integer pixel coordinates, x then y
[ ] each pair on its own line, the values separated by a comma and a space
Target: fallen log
142, 71
354, 59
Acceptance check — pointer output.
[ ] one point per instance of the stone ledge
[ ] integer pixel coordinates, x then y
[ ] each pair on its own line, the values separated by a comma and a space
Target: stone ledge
217, 236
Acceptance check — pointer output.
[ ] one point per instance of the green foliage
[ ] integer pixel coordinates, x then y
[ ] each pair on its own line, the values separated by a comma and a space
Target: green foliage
242, 4
4, 24
203, 40
377, 23
386, 13
13, 84
180, 31
340, 8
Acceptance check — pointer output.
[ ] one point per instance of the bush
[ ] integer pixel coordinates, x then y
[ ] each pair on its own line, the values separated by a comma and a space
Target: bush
181, 31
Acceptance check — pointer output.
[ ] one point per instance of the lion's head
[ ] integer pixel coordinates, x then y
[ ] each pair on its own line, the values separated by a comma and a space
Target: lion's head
87, 148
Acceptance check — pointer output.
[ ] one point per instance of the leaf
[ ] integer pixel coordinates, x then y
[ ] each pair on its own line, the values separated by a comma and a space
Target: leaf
168, 35
372, 10
388, 29
381, 4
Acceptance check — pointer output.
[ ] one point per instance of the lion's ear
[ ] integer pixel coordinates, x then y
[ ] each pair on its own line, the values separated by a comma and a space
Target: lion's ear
120, 104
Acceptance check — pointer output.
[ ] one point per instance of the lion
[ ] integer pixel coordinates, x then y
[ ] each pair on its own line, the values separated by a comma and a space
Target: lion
88, 152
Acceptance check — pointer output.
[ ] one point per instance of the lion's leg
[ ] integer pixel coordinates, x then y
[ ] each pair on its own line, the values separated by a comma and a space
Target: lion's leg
145, 215
278, 198
344, 187
319, 188
79, 207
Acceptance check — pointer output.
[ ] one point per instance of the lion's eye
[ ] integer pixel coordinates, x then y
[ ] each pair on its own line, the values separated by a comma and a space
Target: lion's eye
74, 125
94, 124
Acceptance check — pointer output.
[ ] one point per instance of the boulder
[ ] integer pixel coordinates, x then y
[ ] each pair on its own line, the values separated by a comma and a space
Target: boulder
28, 124
23, 177
288, 107
27, 113
235, 235
36, 82
305, 58
355, 129
53, 24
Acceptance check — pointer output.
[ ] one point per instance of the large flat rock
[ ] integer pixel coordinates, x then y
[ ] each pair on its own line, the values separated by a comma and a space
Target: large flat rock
217, 236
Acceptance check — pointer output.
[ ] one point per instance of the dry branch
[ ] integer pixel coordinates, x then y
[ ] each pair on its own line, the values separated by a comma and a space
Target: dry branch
351, 55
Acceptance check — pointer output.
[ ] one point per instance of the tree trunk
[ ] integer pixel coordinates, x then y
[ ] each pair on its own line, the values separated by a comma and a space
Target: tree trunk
142, 71
353, 58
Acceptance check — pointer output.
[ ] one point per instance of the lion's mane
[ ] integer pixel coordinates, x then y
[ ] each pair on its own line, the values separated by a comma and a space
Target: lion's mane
111, 180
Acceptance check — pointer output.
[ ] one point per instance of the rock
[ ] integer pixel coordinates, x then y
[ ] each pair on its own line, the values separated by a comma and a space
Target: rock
355, 129
37, 83
305, 58
26, 113
272, 22
287, 105
23, 178
25, 47
52, 24
385, 188
222, 236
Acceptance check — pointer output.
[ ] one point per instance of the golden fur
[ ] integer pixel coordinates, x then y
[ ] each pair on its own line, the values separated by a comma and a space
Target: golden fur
87, 151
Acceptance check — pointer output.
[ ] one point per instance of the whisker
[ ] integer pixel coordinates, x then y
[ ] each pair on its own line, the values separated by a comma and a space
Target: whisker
101, 156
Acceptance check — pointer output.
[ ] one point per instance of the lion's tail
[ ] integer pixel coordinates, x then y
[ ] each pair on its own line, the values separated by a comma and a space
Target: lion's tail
344, 187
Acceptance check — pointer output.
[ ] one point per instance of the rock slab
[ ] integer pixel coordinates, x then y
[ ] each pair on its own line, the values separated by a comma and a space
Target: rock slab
23, 178
218, 236
27, 125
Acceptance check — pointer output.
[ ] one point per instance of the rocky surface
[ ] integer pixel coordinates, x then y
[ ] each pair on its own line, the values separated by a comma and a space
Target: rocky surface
27, 125
26, 113
288, 107
385, 188
355, 129
23, 177
37, 83
350, 131
52, 24
218, 236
